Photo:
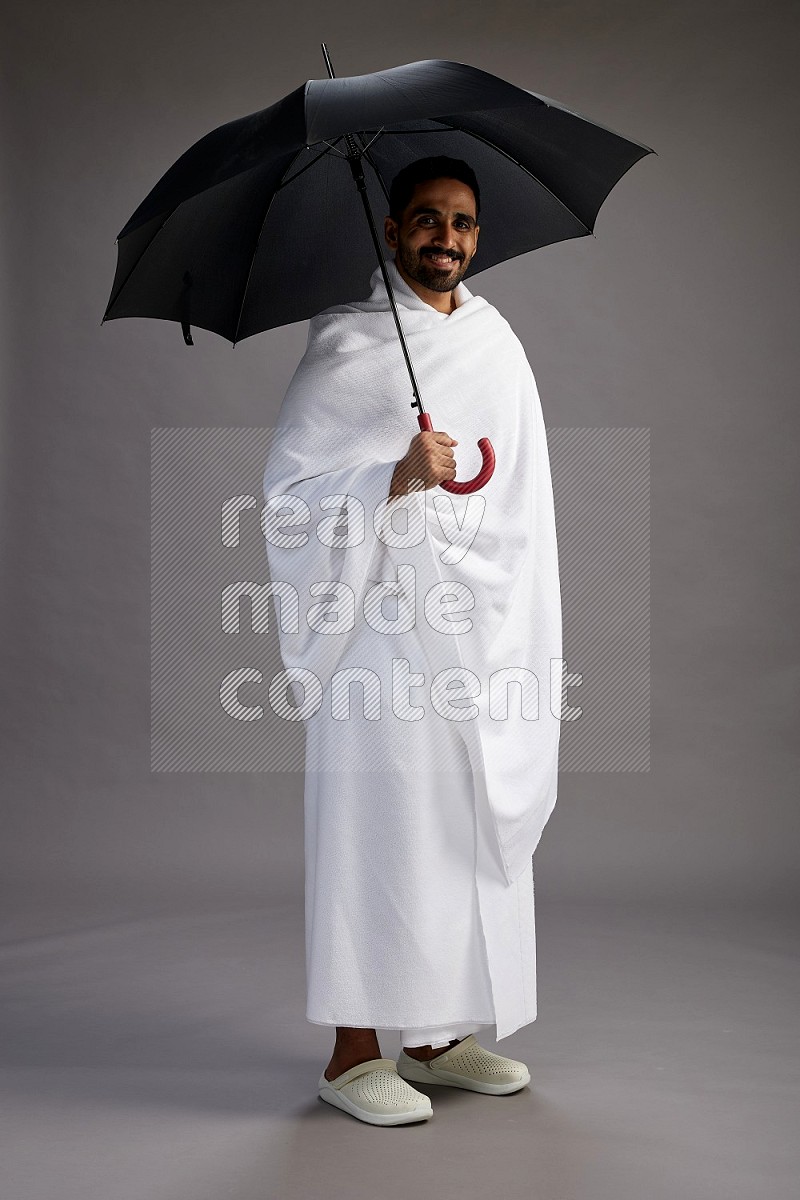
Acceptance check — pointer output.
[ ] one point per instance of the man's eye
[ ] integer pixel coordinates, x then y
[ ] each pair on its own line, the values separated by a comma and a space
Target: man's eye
464, 224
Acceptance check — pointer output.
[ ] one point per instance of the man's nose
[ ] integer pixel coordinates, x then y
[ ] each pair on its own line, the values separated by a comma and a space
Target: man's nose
444, 244
445, 238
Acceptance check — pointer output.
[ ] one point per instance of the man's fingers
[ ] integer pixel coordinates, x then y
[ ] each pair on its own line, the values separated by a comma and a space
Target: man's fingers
430, 457
439, 435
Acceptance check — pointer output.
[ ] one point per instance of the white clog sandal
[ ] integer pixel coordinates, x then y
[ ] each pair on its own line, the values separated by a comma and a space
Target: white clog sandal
469, 1066
373, 1091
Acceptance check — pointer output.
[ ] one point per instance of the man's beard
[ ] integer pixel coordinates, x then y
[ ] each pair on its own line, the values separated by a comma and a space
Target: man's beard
428, 274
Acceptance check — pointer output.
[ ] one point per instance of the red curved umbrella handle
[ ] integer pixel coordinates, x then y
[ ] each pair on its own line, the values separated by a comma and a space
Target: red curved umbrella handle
487, 464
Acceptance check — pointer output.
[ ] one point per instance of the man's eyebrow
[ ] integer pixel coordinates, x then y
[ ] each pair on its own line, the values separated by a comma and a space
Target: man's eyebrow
437, 212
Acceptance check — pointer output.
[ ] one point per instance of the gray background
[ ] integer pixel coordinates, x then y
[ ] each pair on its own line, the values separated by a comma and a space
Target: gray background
152, 921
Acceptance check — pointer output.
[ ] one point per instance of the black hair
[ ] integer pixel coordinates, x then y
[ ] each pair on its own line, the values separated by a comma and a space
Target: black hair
437, 167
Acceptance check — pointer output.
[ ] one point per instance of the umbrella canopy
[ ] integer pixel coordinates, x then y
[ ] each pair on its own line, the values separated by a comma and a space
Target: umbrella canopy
259, 223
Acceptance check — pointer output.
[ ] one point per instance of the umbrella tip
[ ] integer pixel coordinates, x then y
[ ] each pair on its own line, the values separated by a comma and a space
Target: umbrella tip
327, 58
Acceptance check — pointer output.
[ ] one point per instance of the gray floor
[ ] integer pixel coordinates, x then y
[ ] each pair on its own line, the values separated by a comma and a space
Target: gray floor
169, 1057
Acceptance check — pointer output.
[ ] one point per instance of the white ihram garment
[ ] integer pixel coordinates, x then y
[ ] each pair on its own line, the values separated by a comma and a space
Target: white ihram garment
421, 818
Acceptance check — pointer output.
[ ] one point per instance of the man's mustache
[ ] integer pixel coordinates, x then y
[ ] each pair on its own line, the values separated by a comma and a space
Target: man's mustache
439, 253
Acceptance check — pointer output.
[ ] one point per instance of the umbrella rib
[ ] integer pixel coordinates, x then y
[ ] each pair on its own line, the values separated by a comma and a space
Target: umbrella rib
487, 142
171, 213
333, 148
282, 184
292, 178
113, 299
364, 149
273, 194
522, 167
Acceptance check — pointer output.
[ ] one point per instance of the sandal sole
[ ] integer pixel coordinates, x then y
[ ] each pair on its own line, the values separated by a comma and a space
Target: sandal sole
337, 1100
412, 1075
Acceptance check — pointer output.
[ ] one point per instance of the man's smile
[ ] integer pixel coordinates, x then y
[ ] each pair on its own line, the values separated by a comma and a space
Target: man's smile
441, 260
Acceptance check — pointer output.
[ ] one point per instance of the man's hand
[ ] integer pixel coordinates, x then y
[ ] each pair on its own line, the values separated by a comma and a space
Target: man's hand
429, 458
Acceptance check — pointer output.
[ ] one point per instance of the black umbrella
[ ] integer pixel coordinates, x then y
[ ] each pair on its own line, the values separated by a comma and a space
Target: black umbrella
246, 230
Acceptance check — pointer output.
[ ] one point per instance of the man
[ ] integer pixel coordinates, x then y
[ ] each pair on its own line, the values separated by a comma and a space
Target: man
420, 816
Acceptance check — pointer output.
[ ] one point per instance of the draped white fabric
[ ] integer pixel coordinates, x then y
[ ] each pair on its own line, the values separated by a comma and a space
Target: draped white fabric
483, 565
419, 824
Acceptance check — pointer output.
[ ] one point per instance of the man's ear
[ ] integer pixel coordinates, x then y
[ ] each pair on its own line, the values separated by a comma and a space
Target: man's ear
390, 232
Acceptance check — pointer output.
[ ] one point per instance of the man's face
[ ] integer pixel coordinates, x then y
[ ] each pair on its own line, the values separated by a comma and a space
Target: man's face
437, 235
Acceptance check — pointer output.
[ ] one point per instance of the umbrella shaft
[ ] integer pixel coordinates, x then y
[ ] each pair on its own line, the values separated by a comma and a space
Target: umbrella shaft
354, 159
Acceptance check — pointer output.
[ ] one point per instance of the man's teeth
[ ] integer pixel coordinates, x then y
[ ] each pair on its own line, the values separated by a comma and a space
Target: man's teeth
441, 257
